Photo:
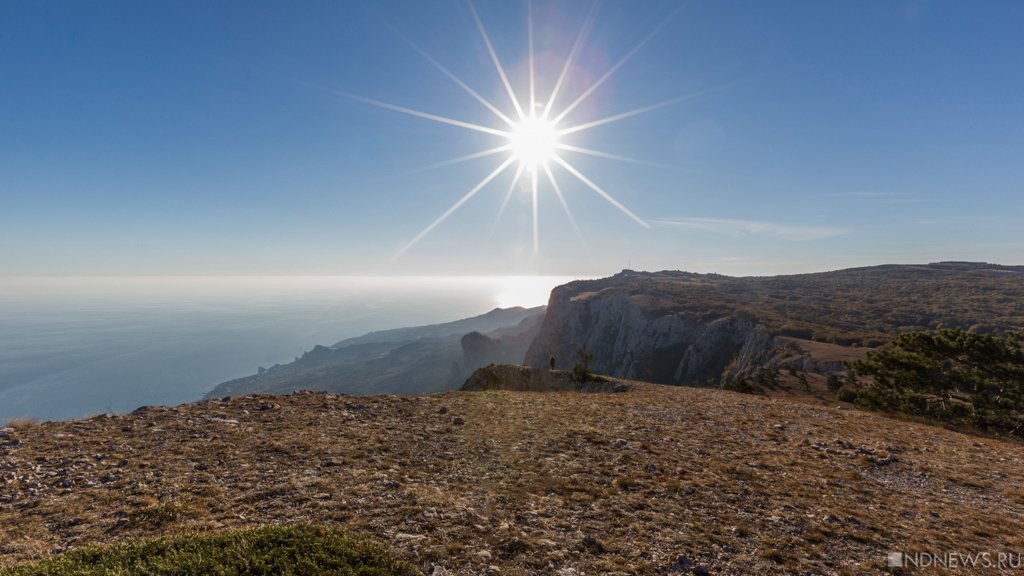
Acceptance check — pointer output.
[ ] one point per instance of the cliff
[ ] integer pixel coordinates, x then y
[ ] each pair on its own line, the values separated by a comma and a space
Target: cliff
629, 341
415, 360
693, 329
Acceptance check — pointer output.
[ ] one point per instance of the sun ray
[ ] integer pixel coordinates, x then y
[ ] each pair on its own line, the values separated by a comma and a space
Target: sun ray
529, 27
487, 179
580, 37
536, 218
565, 205
532, 140
645, 109
473, 156
427, 115
622, 116
586, 94
607, 156
508, 196
600, 191
490, 106
497, 63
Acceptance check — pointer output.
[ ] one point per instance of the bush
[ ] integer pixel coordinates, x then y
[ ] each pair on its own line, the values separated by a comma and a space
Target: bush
581, 369
847, 394
951, 375
744, 386
288, 550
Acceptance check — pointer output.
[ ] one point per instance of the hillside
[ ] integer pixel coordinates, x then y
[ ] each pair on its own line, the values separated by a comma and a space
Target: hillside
696, 329
654, 480
414, 360
783, 335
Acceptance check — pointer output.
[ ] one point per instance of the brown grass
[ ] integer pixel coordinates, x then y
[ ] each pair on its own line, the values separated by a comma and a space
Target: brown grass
603, 483
22, 423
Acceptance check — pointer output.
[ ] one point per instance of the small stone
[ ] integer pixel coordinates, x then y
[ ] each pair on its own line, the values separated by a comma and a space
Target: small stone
458, 421
568, 572
701, 571
484, 555
513, 547
442, 410
437, 570
682, 564
593, 544
622, 442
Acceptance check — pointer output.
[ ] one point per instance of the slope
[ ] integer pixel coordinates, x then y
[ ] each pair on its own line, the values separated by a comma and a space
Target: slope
655, 480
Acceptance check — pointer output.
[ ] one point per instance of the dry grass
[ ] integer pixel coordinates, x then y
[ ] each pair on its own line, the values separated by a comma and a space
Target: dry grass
644, 482
22, 423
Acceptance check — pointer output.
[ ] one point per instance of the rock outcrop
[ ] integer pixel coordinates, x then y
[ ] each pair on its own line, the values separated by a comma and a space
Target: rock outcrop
526, 379
697, 329
631, 338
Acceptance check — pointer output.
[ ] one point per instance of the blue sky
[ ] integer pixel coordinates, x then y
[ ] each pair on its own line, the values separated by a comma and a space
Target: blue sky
216, 138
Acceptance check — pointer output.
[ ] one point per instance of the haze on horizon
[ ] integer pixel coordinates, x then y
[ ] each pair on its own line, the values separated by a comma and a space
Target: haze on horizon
193, 139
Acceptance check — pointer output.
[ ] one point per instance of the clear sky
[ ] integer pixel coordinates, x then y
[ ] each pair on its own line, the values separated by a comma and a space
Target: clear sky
197, 137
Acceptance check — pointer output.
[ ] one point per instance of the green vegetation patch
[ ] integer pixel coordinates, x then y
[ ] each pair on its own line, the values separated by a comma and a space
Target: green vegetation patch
299, 549
950, 375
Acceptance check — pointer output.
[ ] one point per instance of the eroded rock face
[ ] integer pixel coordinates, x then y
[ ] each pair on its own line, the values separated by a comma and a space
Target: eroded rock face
631, 337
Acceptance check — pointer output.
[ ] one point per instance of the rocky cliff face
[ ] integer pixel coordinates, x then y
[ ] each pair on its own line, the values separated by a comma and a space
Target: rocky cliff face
631, 334
686, 328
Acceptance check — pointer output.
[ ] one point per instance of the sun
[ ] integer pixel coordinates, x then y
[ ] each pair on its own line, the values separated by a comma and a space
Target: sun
531, 134
534, 142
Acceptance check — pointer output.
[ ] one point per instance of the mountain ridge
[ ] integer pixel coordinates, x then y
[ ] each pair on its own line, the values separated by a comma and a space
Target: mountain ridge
695, 329
675, 327
412, 360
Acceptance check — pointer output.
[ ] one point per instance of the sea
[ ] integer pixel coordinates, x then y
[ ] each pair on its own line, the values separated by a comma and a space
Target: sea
76, 347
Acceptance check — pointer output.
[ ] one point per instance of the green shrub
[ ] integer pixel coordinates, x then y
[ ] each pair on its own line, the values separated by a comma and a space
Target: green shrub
745, 386
951, 375
288, 550
847, 394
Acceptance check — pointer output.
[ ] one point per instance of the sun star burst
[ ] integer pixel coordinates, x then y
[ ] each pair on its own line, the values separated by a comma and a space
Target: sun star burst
530, 139
534, 141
